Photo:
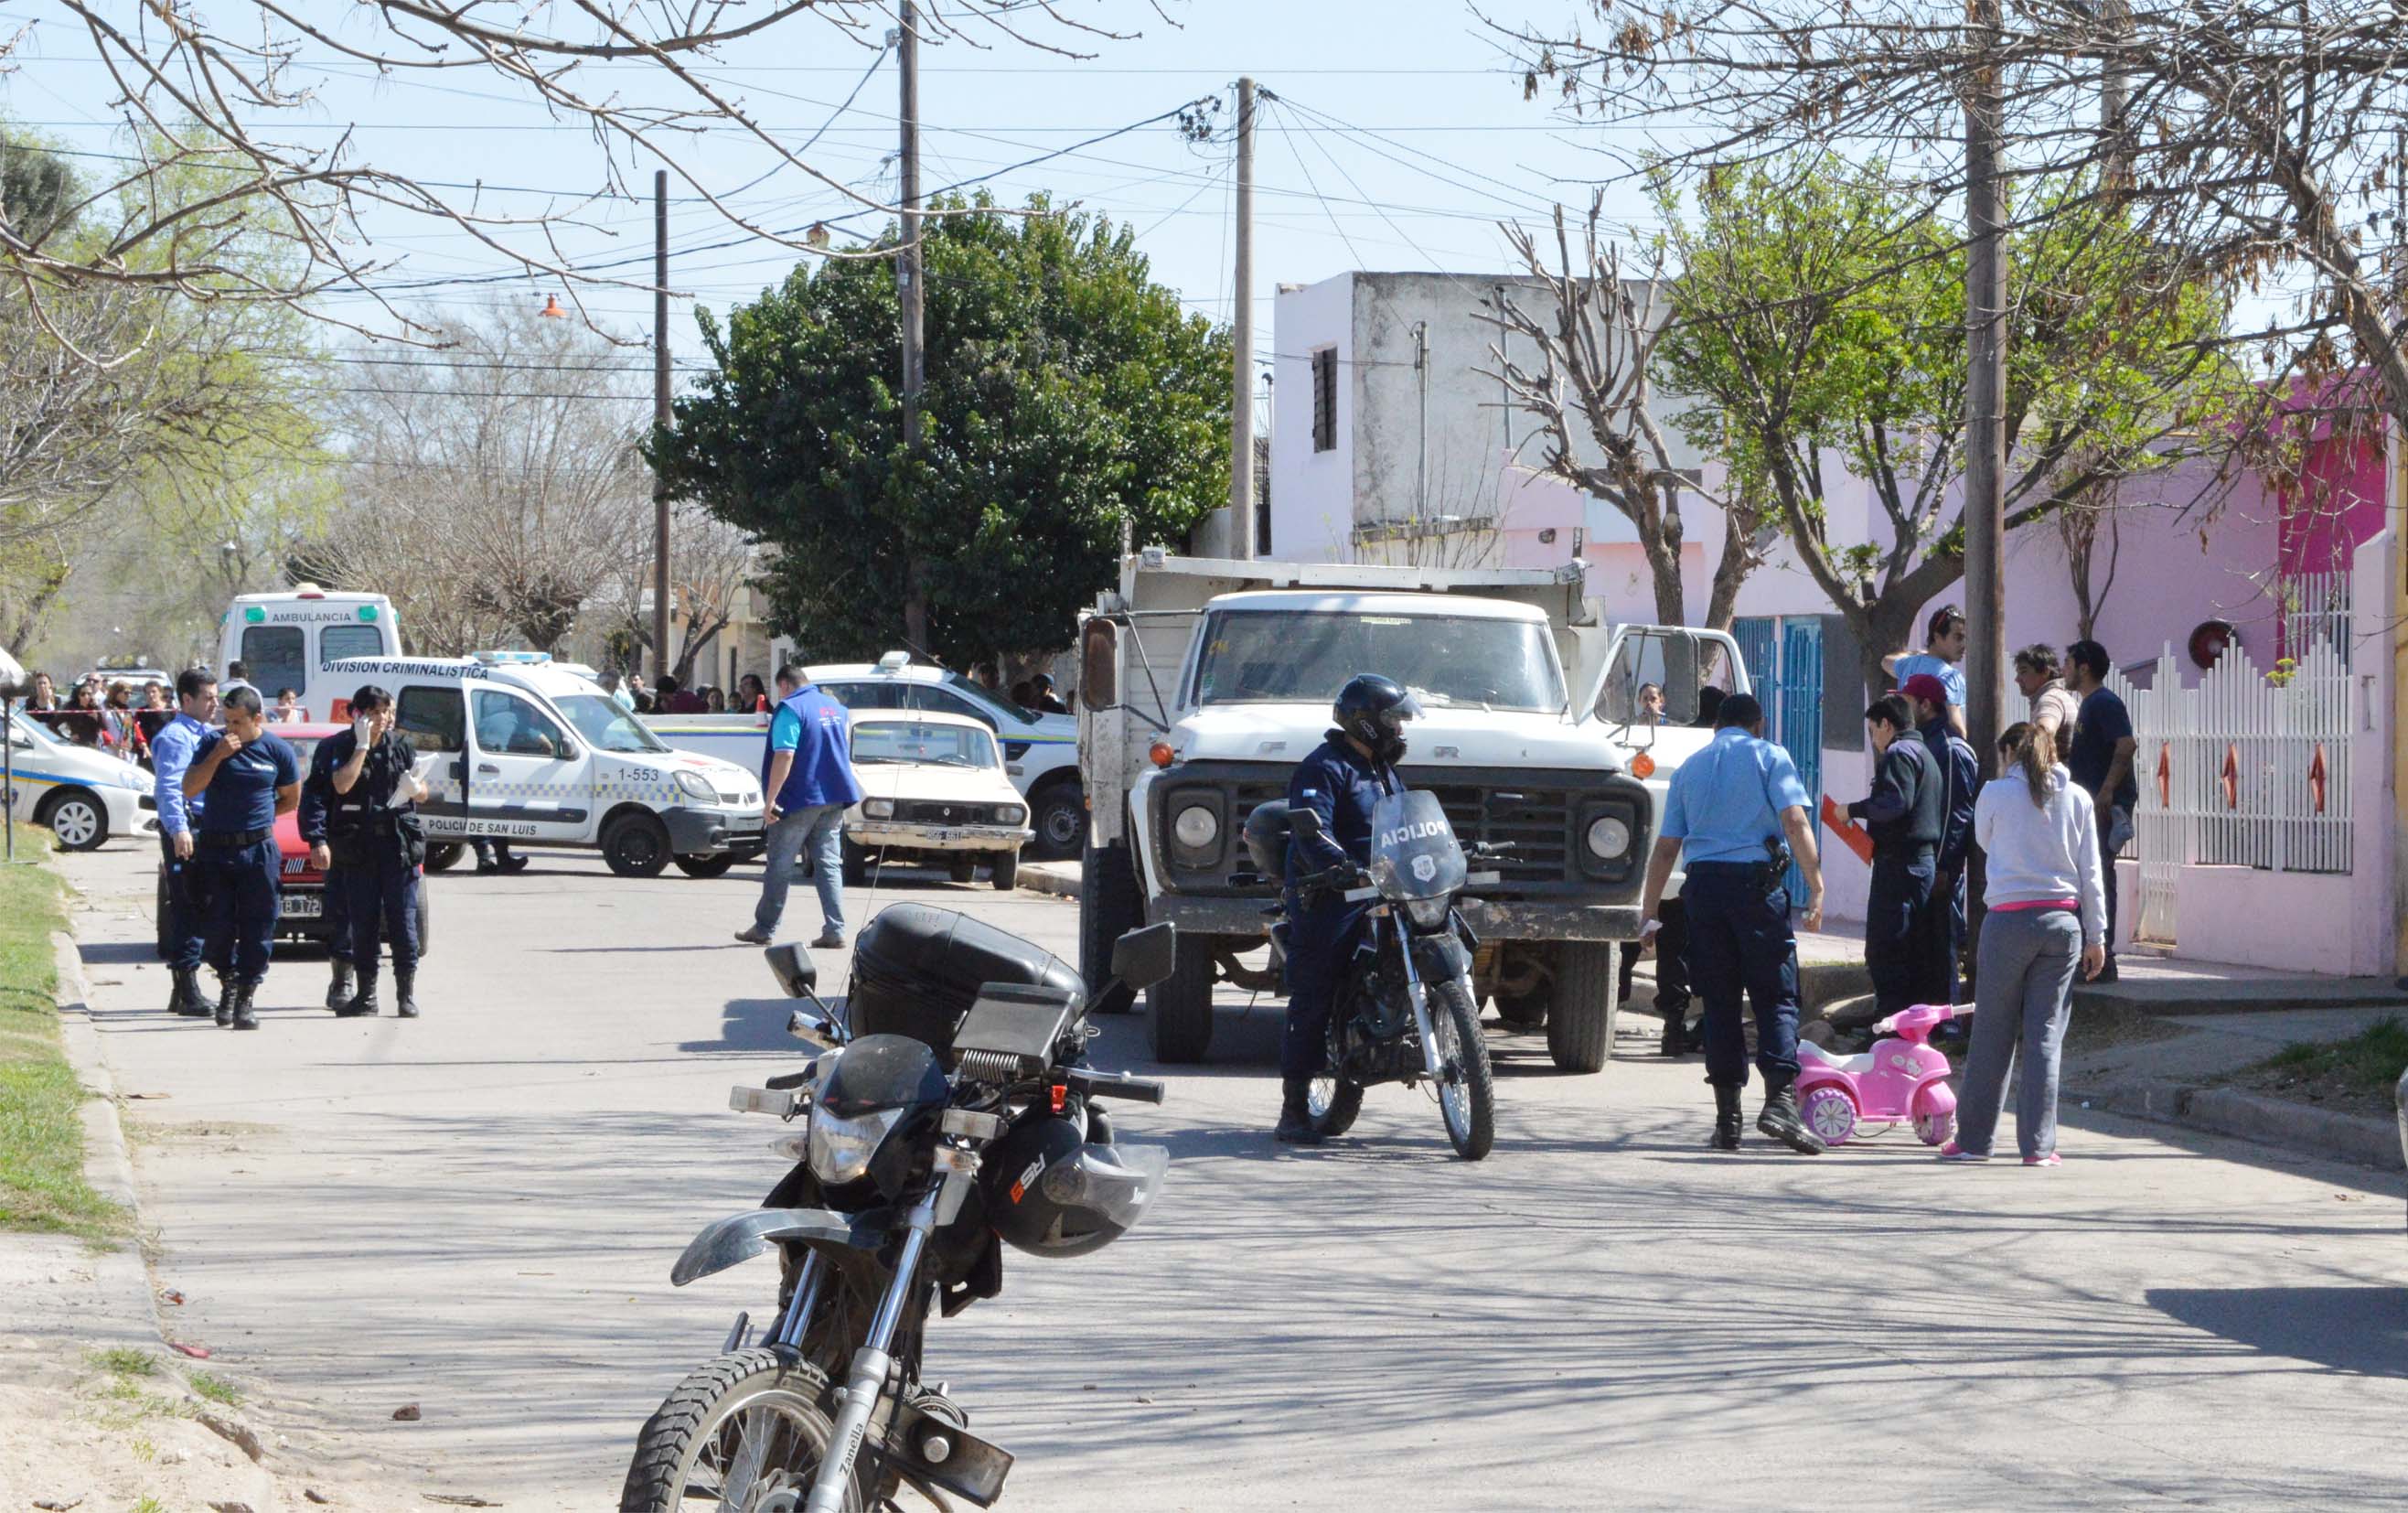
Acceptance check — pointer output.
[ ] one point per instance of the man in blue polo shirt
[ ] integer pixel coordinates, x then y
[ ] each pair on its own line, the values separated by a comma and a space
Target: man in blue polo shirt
247, 776
807, 784
171, 757
1725, 816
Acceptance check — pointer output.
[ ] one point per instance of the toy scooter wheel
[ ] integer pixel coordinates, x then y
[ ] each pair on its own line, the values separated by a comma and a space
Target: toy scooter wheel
1934, 1129
1831, 1114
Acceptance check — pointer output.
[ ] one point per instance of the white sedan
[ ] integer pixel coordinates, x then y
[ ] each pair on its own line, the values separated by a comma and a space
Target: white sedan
82, 795
934, 794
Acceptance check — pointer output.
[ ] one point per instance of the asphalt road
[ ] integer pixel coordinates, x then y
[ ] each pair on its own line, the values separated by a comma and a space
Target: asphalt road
475, 1213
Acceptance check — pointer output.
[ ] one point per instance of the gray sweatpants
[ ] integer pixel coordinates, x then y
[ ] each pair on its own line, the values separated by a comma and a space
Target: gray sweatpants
2023, 992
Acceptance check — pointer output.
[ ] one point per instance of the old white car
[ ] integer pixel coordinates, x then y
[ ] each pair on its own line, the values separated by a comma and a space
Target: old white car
934, 794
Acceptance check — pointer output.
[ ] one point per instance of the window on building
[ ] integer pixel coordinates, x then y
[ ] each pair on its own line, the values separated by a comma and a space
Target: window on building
1325, 399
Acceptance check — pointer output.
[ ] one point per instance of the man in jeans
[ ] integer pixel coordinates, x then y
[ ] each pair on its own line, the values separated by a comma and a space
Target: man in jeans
2100, 757
807, 778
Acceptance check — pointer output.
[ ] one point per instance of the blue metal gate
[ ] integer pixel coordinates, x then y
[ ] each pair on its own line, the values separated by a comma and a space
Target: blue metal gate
1784, 661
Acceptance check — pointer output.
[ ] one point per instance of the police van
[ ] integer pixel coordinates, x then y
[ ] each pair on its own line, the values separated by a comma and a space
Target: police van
515, 747
293, 639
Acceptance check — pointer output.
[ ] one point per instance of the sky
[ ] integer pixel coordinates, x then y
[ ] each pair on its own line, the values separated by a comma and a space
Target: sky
1396, 135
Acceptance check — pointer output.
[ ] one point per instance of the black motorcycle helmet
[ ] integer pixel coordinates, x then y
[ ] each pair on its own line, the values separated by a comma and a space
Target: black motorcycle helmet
1050, 1192
1374, 709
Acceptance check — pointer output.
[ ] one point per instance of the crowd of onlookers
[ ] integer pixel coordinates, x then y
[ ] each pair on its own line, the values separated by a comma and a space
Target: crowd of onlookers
670, 695
115, 716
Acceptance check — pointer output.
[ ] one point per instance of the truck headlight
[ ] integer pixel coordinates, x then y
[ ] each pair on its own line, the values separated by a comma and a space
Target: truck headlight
1608, 836
877, 808
1196, 827
694, 785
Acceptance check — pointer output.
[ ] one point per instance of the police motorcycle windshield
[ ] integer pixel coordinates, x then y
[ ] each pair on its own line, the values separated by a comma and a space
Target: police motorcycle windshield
1415, 854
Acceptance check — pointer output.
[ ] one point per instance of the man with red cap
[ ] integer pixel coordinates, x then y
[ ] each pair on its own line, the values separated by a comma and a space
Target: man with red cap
1962, 775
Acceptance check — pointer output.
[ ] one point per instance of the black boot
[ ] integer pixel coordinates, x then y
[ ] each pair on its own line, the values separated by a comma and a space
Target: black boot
1727, 1118
1780, 1121
186, 1000
405, 982
1676, 1034
225, 1002
243, 1017
338, 989
1295, 1121
363, 1003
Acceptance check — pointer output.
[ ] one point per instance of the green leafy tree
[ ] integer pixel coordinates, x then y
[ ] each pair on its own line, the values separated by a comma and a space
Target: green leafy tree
1821, 319
1068, 393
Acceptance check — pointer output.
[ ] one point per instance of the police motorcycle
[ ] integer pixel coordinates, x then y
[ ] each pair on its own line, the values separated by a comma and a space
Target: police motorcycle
1405, 1012
941, 1119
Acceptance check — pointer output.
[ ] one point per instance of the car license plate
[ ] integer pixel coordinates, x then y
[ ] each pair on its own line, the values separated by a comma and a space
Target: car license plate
744, 822
301, 906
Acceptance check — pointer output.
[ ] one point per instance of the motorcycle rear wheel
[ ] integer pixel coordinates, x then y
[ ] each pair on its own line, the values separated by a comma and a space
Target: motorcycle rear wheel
746, 1430
1469, 1102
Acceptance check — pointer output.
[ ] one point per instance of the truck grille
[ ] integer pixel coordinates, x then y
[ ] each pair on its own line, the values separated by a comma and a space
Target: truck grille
1537, 822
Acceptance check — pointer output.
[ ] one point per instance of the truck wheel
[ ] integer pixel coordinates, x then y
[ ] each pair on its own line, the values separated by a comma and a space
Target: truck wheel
1580, 1022
1005, 869
1522, 1011
1057, 811
1182, 1002
442, 856
717, 865
1110, 906
636, 845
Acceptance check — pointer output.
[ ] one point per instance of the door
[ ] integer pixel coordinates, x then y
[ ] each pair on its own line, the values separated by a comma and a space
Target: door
1691, 670
528, 779
436, 720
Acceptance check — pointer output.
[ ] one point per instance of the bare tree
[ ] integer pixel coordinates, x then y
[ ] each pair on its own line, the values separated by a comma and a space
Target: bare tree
221, 94
711, 564
2079, 525
1593, 392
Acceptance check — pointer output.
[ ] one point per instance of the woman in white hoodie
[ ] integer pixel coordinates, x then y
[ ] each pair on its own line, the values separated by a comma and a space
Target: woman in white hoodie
2046, 899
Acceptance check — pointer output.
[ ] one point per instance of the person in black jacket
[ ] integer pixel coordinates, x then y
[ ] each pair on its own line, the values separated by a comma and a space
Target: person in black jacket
1906, 814
372, 828
1351, 770
1961, 776
333, 898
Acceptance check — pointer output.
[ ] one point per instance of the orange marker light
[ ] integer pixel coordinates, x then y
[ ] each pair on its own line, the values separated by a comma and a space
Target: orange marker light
1161, 754
1061, 1092
1643, 765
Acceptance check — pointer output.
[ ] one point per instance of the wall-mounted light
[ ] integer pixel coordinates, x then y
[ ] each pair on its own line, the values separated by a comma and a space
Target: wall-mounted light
1547, 537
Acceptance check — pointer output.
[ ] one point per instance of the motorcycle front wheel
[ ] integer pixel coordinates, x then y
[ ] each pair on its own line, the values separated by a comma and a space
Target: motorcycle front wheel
745, 1433
1467, 1097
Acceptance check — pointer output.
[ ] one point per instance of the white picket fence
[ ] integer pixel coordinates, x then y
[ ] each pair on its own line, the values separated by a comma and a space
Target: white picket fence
2315, 613
2241, 770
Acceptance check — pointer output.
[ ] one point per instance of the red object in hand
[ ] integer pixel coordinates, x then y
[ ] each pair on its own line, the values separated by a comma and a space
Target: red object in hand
1850, 834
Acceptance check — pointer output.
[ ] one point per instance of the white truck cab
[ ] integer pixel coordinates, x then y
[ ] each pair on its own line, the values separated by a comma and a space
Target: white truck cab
293, 640
517, 748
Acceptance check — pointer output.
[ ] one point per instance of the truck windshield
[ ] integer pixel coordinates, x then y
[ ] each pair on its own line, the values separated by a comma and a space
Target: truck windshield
607, 727
1254, 657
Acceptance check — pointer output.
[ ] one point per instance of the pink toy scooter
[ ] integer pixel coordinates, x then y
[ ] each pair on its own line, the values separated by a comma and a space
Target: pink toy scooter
1903, 1077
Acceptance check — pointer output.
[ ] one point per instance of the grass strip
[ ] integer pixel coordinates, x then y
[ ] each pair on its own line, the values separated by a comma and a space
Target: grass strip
42, 1186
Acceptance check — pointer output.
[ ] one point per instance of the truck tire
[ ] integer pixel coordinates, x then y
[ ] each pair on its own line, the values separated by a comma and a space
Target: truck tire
1522, 1011
1182, 1002
1580, 1019
1110, 906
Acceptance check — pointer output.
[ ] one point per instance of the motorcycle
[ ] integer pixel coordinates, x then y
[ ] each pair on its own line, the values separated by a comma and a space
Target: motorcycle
916, 1161
1406, 1012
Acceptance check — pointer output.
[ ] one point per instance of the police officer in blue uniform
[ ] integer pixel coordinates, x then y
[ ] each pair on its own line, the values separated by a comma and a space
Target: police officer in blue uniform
171, 757
1907, 816
246, 776
373, 831
1351, 770
1725, 817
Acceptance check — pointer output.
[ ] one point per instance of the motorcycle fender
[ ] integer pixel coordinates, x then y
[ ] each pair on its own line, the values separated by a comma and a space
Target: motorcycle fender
1440, 958
739, 1237
1935, 1096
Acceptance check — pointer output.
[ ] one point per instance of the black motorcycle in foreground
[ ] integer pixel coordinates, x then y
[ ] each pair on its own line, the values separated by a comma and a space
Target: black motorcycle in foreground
972, 1124
1406, 1012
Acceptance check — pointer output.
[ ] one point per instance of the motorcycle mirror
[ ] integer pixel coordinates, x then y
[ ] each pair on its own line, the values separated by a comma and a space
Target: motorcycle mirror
794, 968
1143, 957
814, 1028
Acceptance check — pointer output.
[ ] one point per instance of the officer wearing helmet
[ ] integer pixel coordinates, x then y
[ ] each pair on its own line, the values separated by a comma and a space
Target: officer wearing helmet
1351, 769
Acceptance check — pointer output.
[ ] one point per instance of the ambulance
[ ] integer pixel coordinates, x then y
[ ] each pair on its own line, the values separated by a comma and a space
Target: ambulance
293, 639
515, 747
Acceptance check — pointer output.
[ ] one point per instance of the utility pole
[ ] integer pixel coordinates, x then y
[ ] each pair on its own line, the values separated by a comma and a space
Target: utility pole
909, 270
660, 421
1986, 351
1242, 360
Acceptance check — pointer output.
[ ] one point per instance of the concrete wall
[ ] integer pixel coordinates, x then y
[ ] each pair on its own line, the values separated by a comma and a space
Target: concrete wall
1313, 493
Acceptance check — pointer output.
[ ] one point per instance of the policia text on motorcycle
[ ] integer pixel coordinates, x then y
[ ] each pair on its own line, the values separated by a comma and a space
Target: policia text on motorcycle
1725, 817
375, 845
1351, 769
245, 776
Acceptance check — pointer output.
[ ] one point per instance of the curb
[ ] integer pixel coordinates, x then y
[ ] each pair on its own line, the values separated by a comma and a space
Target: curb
128, 1308
1036, 878
2270, 1121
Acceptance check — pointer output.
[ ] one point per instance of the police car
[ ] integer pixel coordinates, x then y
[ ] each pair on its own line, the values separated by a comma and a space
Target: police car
932, 793
515, 747
82, 796
1040, 751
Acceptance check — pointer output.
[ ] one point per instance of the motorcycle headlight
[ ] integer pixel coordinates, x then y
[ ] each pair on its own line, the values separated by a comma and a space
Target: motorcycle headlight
1196, 827
877, 808
840, 1148
694, 785
1427, 914
1609, 836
